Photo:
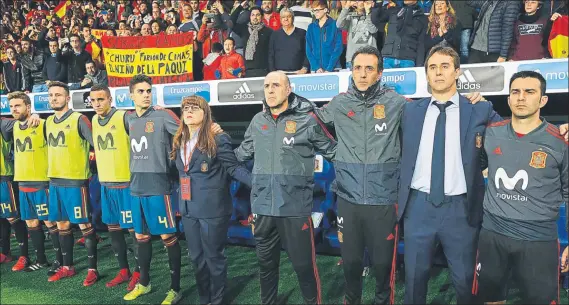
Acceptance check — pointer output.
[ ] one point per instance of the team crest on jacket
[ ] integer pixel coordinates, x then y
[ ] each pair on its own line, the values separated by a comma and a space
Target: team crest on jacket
478, 141
538, 159
290, 127
379, 112
204, 167
149, 127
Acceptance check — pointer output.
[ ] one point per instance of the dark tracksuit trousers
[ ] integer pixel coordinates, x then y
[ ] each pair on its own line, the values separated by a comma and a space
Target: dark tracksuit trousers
296, 234
373, 227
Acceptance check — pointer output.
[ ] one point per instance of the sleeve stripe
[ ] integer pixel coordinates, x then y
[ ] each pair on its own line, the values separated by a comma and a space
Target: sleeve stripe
554, 131
326, 132
501, 123
86, 120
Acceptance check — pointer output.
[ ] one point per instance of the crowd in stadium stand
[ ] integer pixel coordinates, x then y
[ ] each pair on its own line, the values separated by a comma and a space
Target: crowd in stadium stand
44, 41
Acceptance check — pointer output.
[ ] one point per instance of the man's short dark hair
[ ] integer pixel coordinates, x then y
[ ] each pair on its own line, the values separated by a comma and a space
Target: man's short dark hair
531, 74
217, 47
369, 50
26, 39
59, 84
444, 50
137, 79
85, 25
90, 61
256, 8
74, 35
100, 87
20, 95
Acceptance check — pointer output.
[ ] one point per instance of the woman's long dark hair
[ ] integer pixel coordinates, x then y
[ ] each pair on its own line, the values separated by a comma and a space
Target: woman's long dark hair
206, 138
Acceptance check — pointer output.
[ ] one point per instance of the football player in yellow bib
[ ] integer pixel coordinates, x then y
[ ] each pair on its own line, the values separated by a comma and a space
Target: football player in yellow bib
112, 150
69, 136
30, 171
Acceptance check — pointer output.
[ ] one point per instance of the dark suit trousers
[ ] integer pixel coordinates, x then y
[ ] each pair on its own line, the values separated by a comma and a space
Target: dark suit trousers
296, 234
206, 239
426, 226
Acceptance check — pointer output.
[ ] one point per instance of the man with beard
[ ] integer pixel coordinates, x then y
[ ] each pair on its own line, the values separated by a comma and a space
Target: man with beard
257, 37
32, 59
69, 137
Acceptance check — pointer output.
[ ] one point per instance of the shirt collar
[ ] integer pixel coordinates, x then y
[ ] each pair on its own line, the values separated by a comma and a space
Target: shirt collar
454, 99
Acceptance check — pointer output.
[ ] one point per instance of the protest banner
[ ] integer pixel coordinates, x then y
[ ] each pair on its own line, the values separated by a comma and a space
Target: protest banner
165, 58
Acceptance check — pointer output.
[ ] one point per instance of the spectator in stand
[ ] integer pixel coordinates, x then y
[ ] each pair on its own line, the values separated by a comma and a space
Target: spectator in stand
54, 69
256, 37
443, 27
144, 14
136, 23
198, 14
94, 76
212, 62
108, 21
242, 18
465, 14
270, 18
302, 14
355, 18
530, 40
232, 64
145, 30
111, 33
123, 9
155, 27
156, 12
404, 45
287, 47
493, 30
212, 30
323, 40
45, 36
75, 58
32, 59
16, 77
171, 29
122, 25
188, 21
90, 44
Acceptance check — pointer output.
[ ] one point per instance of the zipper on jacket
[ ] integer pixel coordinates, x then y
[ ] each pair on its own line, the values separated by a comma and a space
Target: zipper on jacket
365, 150
321, 65
273, 163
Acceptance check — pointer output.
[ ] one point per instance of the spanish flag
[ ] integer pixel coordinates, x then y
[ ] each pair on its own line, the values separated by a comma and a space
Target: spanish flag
61, 9
558, 39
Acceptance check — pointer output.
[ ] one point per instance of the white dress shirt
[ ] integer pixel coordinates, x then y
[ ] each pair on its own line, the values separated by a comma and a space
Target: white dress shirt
186, 149
455, 182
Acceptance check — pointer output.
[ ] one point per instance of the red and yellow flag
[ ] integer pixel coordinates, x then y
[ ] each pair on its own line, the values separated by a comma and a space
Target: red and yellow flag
61, 9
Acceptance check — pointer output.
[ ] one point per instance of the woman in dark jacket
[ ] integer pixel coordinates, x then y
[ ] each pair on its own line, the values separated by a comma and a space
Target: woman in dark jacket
443, 26
205, 162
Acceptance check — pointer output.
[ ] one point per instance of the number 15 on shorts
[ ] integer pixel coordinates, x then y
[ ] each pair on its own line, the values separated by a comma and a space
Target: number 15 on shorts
163, 220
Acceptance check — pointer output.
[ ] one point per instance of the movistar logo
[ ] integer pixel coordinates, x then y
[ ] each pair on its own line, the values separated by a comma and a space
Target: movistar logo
287, 141
510, 183
21, 147
380, 128
54, 142
104, 144
137, 146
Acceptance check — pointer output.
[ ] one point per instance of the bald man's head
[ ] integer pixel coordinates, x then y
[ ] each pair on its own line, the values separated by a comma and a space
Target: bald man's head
277, 89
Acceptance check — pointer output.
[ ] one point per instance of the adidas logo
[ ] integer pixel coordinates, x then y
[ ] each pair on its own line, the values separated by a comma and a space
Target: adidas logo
243, 92
466, 81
